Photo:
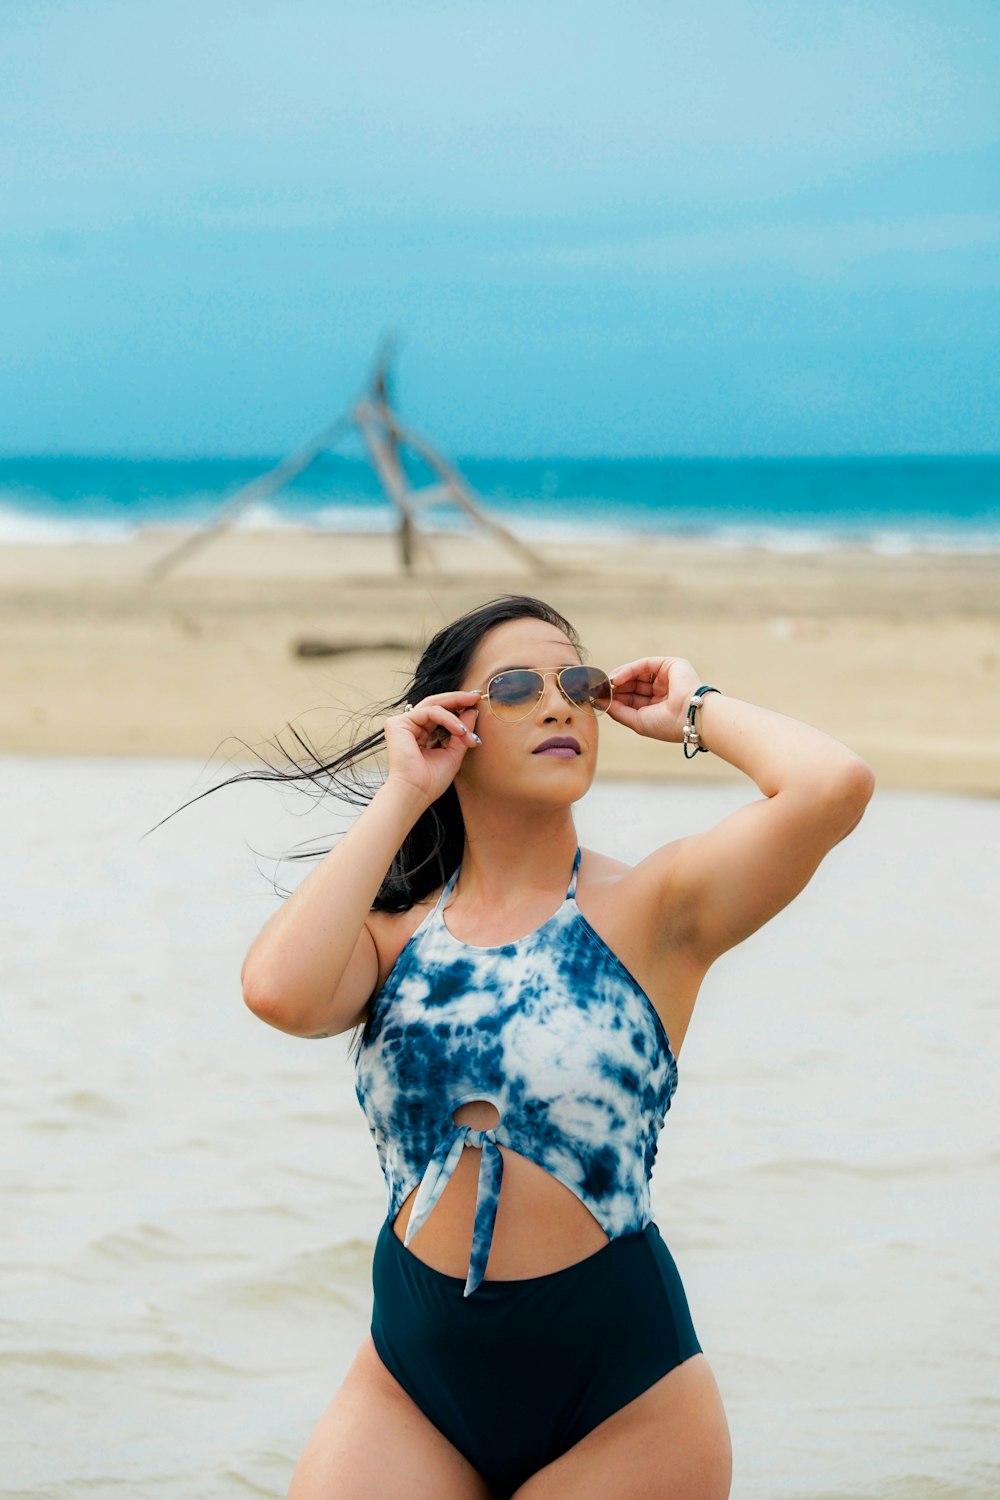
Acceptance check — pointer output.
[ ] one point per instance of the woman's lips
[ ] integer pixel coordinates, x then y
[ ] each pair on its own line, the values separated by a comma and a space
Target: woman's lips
562, 745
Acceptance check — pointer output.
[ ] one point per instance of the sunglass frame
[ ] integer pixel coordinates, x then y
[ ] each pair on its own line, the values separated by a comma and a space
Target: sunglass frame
558, 675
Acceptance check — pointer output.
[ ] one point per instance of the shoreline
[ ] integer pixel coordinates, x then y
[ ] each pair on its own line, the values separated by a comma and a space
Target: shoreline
739, 536
898, 656
775, 539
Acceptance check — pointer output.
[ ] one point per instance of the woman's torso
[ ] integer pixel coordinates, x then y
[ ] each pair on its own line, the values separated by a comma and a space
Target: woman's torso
542, 1226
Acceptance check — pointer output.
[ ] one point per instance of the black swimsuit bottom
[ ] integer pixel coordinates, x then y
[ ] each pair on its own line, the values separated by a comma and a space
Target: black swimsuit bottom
517, 1374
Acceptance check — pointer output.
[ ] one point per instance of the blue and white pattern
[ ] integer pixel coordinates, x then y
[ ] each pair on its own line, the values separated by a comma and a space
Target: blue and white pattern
554, 1032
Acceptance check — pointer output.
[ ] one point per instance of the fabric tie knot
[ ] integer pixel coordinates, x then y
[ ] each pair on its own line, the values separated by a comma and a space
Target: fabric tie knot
436, 1178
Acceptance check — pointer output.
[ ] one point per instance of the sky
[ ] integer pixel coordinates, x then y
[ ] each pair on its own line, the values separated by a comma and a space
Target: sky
641, 228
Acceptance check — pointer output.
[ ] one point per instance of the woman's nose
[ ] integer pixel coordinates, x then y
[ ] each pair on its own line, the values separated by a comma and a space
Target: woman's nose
553, 699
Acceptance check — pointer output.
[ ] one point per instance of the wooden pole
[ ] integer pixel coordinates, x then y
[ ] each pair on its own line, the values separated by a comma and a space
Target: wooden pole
386, 463
453, 483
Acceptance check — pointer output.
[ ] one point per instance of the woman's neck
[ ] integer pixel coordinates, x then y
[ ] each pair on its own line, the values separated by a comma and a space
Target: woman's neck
503, 867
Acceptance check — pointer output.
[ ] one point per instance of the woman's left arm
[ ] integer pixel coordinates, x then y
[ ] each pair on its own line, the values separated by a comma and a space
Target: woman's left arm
718, 887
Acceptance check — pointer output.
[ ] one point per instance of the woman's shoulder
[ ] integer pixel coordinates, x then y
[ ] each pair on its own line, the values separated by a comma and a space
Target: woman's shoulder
612, 874
632, 900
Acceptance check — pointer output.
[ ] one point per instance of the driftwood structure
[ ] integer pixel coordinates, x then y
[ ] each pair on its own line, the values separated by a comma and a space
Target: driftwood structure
385, 439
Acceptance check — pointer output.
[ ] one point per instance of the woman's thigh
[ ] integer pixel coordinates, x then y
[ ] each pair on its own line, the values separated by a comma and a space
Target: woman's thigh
670, 1443
374, 1443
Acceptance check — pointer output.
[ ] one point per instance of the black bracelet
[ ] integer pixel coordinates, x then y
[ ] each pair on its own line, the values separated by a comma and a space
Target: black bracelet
690, 732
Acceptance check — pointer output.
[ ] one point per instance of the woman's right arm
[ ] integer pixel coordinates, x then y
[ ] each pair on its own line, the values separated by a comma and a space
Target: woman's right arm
314, 967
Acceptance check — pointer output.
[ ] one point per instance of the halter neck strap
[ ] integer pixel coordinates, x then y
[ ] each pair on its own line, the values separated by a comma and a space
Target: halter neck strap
447, 889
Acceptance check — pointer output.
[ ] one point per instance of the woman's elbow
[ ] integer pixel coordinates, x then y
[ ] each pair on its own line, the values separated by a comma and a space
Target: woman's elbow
301, 1020
251, 982
266, 1007
860, 783
256, 1001
854, 789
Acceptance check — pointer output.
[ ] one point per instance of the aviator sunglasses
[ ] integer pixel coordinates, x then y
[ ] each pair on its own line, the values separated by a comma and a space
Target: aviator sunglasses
512, 695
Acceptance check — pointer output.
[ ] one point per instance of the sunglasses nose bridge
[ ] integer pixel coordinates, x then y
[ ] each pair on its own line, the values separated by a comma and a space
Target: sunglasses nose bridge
559, 693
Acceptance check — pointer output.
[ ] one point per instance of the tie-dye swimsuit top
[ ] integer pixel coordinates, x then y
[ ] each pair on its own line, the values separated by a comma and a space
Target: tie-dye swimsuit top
554, 1032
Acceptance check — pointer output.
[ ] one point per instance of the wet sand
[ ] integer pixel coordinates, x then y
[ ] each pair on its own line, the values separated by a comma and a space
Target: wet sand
191, 1198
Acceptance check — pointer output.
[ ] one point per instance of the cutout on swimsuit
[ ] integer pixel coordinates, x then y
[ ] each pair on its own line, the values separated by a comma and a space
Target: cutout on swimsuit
476, 1117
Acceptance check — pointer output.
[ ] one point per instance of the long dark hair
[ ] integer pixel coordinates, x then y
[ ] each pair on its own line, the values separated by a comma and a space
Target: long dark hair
433, 847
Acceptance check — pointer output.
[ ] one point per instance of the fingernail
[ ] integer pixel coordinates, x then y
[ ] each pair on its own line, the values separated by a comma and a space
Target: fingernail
474, 736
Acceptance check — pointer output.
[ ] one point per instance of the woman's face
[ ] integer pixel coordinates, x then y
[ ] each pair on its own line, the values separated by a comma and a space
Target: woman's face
507, 762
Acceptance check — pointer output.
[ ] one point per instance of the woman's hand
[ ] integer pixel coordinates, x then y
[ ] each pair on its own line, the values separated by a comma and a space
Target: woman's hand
426, 744
652, 696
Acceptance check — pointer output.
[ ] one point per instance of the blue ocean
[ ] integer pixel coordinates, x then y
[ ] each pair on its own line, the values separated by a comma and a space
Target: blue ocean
889, 504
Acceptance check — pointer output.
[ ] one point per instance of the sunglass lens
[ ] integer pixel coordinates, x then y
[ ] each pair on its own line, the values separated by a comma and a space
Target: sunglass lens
588, 687
511, 693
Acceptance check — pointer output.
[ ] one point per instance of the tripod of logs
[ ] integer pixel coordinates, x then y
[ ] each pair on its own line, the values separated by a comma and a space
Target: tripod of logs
385, 438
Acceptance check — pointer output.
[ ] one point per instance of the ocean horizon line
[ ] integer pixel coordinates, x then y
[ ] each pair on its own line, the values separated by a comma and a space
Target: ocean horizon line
882, 455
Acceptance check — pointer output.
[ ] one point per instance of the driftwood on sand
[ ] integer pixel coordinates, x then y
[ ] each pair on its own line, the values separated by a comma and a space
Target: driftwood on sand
311, 645
385, 439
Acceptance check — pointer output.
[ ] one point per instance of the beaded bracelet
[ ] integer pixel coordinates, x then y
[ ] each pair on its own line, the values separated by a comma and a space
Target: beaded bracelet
690, 731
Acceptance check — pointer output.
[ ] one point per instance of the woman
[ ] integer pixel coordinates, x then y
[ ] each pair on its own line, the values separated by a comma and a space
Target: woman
523, 1004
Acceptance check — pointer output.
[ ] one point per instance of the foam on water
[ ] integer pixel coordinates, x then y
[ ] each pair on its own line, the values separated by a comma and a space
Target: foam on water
21, 527
893, 506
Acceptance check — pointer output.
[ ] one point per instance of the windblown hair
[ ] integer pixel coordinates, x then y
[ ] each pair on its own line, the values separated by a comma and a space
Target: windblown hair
433, 847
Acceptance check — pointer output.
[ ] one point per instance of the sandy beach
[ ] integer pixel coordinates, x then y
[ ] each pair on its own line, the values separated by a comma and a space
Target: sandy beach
898, 656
